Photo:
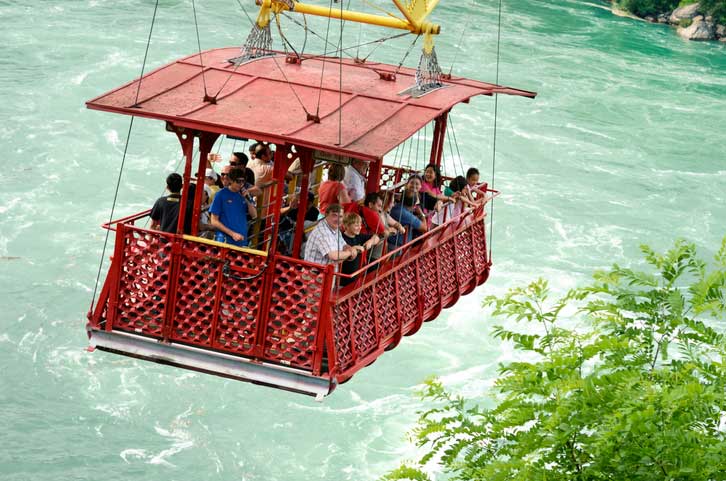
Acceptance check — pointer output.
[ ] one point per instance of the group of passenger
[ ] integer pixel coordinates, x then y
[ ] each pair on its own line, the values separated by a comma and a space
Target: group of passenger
356, 222
353, 221
228, 201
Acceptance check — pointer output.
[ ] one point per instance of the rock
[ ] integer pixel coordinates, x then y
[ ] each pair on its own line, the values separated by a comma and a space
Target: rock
682, 13
721, 31
650, 19
698, 30
663, 18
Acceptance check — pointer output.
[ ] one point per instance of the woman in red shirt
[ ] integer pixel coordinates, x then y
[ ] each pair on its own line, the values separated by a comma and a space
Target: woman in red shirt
333, 191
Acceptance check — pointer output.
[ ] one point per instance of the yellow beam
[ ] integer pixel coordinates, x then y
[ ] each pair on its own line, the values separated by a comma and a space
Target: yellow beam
210, 242
349, 15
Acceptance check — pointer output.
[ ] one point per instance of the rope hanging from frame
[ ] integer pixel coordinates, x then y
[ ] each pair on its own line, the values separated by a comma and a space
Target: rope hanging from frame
123, 159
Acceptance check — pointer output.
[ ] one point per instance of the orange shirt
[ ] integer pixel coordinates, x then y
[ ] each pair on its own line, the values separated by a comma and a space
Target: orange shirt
328, 194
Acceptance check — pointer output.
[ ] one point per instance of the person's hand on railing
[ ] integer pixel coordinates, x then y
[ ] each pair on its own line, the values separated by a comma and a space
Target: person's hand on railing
373, 241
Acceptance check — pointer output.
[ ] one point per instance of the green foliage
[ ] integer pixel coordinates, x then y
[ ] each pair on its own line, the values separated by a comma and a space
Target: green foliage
715, 8
639, 393
643, 8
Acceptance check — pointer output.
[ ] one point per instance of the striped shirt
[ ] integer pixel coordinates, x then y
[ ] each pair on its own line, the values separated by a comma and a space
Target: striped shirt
322, 241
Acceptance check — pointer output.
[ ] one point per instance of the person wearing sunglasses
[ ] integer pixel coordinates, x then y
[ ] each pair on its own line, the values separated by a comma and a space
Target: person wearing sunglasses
230, 210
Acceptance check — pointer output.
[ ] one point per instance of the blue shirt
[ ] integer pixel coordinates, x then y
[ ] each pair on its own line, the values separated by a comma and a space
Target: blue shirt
408, 220
231, 208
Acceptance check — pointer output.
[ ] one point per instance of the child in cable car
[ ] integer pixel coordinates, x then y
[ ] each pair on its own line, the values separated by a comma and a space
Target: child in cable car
461, 199
432, 196
352, 224
472, 181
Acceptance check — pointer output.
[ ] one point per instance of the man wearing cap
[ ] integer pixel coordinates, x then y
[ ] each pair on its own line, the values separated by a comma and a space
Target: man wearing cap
210, 181
230, 209
165, 213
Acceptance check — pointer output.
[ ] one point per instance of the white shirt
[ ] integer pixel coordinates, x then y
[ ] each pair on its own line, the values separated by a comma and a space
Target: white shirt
355, 183
322, 241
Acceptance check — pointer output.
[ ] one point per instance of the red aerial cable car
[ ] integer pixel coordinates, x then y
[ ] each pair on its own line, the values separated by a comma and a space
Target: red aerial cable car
255, 314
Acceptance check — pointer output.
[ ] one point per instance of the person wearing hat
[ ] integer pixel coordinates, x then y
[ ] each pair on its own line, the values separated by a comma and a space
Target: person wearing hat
165, 212
210, 180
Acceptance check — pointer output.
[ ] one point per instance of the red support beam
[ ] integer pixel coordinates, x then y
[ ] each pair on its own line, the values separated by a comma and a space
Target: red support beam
306, 163
437, 145
118, 256
373, 183
206, 142
186, 138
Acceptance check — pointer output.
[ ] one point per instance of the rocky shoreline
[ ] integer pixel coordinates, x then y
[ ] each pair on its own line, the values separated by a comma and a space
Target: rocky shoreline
691, 23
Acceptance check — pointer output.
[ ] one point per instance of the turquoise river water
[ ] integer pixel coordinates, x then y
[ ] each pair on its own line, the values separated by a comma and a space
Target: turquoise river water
623, 145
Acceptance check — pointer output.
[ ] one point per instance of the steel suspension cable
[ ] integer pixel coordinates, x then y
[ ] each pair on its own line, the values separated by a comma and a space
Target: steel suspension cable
252, 22
237, 65
340, 76
289, 84
123, 159
494, 141
463, 30
360, 30
322, 70
451, 150
407, 52
305, 38
199, 45
456, 144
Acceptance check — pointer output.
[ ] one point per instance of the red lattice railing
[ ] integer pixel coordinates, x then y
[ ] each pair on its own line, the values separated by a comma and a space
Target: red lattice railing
142, 283
295, 311
410, 286
216, 297
282, 310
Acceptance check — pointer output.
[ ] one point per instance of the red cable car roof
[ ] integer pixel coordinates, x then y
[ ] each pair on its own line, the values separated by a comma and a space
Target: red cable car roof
259, 100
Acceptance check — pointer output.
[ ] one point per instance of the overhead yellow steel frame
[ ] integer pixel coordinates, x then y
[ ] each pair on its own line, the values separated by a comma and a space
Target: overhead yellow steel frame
415, 13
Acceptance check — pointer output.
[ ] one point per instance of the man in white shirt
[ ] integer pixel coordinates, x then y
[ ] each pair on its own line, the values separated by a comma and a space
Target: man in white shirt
355, 180
325, 243
262, 165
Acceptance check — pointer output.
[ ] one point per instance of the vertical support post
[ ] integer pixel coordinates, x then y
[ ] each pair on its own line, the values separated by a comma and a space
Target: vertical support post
186, 138
278, 175
437, 145
206, 142
219, 280
118, 257
167, 329
373, 183
306, 163
324, 329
